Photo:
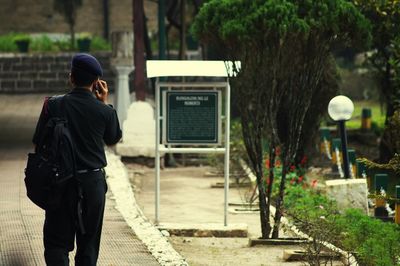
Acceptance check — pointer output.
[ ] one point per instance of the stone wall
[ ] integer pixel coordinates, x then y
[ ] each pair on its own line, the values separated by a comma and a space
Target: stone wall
36, 16
33, 73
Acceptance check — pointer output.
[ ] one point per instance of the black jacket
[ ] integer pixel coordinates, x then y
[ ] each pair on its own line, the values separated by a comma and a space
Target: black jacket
92, 124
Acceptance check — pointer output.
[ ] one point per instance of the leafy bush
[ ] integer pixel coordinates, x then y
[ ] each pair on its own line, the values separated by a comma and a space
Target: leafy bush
308, 204
63, 45
21, 37
99, 44
373, 242
315, 215
7, 43
43, 43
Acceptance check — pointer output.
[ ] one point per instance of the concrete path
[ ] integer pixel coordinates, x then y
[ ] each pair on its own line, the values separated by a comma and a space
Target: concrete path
21, 221
187, 198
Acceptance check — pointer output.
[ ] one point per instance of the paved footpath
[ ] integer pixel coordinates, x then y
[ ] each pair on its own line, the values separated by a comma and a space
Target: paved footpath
21, 221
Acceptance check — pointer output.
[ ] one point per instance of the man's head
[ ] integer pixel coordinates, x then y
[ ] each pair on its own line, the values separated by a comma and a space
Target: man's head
85, 70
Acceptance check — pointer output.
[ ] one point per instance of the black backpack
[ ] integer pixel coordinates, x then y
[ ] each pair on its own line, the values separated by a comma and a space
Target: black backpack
52, 166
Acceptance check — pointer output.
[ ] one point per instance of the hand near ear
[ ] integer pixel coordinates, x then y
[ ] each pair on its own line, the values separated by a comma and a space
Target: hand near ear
101, 91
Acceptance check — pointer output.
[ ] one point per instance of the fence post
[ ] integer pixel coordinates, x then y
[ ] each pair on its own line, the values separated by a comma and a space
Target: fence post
352, 161
336, 145
325, 141
361, 172
366, 115
397, 215
380, 185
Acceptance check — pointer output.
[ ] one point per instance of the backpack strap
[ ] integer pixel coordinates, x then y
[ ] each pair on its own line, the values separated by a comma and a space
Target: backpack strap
60, 112
59, 106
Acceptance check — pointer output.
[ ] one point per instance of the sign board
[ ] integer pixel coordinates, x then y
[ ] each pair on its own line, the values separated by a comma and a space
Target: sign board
192, 117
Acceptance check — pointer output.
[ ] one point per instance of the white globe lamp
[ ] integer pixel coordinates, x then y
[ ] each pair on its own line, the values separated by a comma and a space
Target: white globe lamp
340, 109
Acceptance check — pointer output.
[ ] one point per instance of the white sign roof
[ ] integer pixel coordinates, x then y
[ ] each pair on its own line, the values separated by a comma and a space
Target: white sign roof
179, 68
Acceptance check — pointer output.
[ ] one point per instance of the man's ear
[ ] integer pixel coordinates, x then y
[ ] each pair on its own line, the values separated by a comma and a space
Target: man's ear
71, 79
94, 84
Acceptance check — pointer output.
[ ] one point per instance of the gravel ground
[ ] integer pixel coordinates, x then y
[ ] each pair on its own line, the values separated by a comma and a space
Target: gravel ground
187, 197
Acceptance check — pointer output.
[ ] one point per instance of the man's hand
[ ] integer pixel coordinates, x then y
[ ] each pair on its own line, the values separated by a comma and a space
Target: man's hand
101, 91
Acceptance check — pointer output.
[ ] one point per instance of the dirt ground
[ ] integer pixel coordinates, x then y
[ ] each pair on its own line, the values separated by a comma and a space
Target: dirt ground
187, 197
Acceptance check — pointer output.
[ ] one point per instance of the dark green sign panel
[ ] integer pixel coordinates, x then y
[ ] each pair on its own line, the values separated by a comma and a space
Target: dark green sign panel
192, 117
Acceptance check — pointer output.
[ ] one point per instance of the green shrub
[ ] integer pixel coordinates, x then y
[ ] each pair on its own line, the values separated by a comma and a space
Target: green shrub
308, 204
374, 242
315, 215
63, 45
99, 44
22, 41
21, 37
43, 43
7, 43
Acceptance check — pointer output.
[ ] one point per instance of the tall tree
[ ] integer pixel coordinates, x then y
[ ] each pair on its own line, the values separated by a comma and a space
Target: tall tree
177, 15
385, 20
182, 31
284, 48
395, 62
68, 9
139, 50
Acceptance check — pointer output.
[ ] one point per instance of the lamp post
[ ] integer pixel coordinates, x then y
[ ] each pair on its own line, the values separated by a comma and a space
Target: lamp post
340, 109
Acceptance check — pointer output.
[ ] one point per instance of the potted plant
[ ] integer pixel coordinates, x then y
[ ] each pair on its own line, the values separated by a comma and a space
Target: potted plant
22, 41
84, 40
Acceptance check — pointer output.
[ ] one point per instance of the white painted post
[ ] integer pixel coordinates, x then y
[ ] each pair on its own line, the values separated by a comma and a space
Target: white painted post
227, 144
157, 157
339, 163
122, 96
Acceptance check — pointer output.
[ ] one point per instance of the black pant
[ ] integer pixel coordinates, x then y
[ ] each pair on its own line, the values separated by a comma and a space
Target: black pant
60, 226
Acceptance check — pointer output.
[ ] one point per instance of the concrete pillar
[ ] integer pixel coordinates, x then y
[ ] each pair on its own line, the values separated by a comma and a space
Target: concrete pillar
122, 64
349, 193
122, 96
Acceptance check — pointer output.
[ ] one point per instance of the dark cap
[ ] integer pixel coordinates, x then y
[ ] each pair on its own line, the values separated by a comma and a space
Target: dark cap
87, 63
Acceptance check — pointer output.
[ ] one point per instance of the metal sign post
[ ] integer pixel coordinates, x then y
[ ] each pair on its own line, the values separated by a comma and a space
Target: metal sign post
227, 142
204, 144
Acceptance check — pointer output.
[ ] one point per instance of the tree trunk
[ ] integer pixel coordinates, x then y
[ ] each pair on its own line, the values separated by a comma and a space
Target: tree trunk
385, 146
270, 184
139, 62
182, 45
161, 30
149, 52
106, 19
264, 217
72, 33
252, 140
279, 203
387, 86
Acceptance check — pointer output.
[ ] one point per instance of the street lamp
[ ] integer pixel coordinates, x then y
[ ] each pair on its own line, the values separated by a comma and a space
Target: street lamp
340, 109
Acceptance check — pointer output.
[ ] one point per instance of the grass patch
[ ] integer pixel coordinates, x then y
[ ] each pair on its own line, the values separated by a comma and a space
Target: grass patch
378, 114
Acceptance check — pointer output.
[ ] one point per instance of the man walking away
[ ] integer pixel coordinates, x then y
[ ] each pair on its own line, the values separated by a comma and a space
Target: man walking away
92, 123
